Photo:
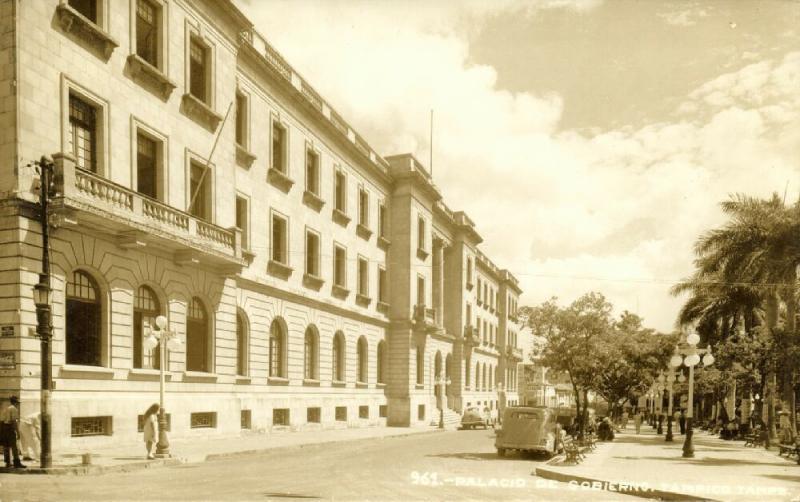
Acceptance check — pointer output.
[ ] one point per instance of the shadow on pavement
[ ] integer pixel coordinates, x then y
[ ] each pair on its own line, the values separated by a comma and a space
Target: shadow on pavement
490, 456
710, 462
781, 477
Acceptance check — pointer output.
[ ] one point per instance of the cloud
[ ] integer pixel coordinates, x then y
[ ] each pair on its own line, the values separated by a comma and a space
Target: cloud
567, 211
680, 15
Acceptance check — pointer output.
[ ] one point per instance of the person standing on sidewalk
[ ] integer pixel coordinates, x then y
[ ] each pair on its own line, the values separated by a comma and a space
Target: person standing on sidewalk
682, 421
30, 436
637, 421
150, 429
9, 433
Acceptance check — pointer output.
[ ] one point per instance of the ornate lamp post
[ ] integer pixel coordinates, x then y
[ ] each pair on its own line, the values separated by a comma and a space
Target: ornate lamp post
161, 338
670, 380
691, 359
660, 403
443, 382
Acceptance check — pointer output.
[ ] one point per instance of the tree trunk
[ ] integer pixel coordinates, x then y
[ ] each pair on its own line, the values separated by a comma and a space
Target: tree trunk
792, 339
772, 322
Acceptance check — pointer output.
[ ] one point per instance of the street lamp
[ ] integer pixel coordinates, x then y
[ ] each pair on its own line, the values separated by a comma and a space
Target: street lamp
660, 403
443, 382
670, 380
161, 338
691, 359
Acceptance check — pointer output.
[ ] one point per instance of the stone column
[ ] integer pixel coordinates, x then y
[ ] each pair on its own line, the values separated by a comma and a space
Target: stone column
438, 281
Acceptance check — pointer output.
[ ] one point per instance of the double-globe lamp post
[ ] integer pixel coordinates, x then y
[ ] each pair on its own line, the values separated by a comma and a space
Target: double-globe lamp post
670, 380
442, 382
660, 403
691, 359
162, 338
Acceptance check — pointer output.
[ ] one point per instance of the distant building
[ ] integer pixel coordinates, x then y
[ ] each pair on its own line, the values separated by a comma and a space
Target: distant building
315, 282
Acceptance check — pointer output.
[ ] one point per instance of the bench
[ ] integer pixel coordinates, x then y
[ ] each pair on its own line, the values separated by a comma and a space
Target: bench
574, 451
754, 439
589, 442
789, 450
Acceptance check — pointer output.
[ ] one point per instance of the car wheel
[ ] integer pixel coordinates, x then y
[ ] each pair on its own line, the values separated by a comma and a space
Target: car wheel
501, 452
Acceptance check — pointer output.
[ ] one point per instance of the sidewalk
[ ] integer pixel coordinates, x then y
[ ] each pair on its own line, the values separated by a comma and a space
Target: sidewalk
652, 468
129, 457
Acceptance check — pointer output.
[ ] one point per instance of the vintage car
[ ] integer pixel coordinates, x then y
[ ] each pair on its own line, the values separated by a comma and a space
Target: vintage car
475, 416
530, 429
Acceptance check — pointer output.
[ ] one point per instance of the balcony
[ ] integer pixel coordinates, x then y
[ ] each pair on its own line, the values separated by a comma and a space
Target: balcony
471, 336
514, 353
425, 318
136, 220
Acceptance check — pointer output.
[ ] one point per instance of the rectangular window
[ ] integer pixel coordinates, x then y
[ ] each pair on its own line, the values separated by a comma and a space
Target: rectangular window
203, 420
363, 207
382, 296
198, 70
243, 221
313, 415
363, 277
478, 293
91, 426
312, 171
278, 147
279, 240
246, 420
420, 233
312, 254
420, 290
83, 133
420, 365
200, 186
469, 270
340, 191
469, 314
140, 422
86, 8
421, 412
280, 416
341, 413
383, 411
363, 412
146, 166
147, 37
241, 119
382, 215
339, 266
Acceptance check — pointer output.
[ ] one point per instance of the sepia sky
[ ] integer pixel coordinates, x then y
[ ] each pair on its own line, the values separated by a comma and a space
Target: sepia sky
590, 141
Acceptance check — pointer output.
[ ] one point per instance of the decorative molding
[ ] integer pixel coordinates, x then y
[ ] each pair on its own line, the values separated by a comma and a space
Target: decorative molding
363, 300
200, 112
363, 232
340, 291
150, 77
340, 218
313, 201
313, 282
383, 242
422, 254
243, 157
75, 23
279, 269
279, 179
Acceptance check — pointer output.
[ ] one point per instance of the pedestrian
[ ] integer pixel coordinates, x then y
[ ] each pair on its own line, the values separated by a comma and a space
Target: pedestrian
637, 421
9, 433
682, 421
150, 429
624, 419
30, 435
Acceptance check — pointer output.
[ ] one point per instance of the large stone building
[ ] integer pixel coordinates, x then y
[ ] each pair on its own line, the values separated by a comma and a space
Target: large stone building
314, 282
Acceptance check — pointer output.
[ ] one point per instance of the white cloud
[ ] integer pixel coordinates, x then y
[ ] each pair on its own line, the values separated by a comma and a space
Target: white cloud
617, 211
681, 15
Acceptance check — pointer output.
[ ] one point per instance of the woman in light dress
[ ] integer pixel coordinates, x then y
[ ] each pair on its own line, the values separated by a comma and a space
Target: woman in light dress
151, 429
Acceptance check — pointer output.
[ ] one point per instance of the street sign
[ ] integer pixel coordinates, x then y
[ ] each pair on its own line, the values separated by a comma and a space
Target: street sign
7, 330
8, 360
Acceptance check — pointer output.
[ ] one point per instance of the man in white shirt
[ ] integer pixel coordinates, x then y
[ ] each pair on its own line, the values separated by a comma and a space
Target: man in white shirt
9, 432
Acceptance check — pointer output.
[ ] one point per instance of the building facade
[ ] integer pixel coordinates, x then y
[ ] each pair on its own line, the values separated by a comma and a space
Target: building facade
313, 282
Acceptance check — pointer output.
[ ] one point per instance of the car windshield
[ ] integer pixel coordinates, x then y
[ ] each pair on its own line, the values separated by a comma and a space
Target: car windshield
526, 415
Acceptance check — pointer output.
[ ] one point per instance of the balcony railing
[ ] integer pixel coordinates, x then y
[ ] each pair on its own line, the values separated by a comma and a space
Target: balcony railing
118, 210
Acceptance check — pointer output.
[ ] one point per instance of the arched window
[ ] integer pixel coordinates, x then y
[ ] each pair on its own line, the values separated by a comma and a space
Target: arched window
242, 343
311, 354
381, 362
277, 344
83, 322
197, 334
338, 357
363, 367
145, 310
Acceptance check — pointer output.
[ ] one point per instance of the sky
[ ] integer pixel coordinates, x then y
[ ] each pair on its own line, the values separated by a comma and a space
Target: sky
590, 141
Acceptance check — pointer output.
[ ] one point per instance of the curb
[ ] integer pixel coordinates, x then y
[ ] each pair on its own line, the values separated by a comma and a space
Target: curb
90, 470
244, 453
633, 489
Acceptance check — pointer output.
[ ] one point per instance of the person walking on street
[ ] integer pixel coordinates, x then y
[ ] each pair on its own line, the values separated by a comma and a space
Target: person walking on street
637, 421
9, 433
624, 420
151, 429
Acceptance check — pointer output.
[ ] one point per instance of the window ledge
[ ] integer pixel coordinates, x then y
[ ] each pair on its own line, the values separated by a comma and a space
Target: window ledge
338, 383
279, 179
72, 21
479, 302
362, 385
363, 300
340, 291
340, 218
93, 371
380, 385
147, 374
243, 379
150, 77
248, 255
363, 232
383, 242
279, 269
200, 112
244, 157
313, 282
199, 376
310, 382
419, 386
313, 201
273, 380
382, 306
422, 254
469, 286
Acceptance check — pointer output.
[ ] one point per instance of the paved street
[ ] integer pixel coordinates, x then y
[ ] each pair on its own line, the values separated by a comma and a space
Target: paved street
446, 466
